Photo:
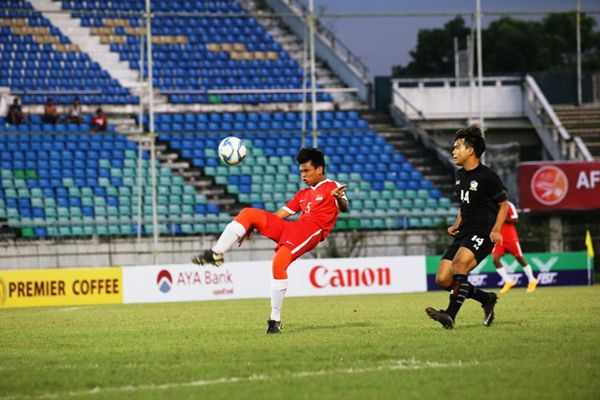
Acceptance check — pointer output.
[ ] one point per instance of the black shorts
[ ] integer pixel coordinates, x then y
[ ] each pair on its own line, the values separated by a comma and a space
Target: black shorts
477, 241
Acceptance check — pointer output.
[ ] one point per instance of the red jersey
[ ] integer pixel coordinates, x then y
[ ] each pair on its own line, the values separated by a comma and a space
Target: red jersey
509, 231
317, 205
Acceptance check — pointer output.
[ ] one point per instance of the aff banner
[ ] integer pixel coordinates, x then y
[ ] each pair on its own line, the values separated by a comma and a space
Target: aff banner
60, 287
549, 186
237, 280
551, 269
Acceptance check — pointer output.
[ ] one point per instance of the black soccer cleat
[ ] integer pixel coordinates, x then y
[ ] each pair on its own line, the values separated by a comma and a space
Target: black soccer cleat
488, 310
441, 317
273, 326
208, 257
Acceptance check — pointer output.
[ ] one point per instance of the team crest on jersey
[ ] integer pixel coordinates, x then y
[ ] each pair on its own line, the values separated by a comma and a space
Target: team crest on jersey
474, 185
457, 182
319, 197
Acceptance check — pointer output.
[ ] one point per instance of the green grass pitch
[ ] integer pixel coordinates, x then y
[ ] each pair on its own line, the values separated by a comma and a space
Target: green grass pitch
544, 345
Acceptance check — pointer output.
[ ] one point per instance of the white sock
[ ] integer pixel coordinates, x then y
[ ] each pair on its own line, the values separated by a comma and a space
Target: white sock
528, 272
231, 234
503, 274
278, 288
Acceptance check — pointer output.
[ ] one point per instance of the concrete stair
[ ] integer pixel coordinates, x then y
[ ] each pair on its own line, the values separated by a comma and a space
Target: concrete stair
424, 162
294, 46
193, 176
584, 122
100, 53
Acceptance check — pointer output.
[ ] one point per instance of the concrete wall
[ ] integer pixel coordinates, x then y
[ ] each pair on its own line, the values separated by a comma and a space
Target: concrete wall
440, 99
122, 252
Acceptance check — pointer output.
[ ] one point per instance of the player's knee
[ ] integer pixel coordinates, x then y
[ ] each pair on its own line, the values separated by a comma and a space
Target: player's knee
244, 212
443, 281
460, 267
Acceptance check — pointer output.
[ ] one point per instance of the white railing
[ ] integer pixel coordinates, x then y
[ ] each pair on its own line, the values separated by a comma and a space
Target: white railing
569, 147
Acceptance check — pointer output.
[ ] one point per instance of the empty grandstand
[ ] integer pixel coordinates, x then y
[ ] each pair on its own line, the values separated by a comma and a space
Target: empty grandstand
221, 68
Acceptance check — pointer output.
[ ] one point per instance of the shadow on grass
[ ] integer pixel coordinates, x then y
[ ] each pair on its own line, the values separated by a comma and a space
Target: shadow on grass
497, 323
300, 328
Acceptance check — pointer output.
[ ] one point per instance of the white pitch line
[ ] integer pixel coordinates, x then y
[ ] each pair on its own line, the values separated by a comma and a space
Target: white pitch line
405, 364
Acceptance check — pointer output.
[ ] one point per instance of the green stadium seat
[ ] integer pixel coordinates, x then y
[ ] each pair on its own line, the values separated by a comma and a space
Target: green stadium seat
87, 202
444, 202
419, 202
27, 233
414, 222
423, 193
341, 224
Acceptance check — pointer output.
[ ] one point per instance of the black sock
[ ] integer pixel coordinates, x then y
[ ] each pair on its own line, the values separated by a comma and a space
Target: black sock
478, 294
458, 294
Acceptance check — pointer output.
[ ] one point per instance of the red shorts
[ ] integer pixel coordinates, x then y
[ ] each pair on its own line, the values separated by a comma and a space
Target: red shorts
299, 237
508, 245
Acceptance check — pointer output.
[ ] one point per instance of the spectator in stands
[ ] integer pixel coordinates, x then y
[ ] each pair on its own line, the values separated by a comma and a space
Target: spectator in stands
15, 113
50, 112
99, 122
75, 112
3, 106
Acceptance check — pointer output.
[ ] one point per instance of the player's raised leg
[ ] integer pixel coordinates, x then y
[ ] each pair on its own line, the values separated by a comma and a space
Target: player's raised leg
244, 222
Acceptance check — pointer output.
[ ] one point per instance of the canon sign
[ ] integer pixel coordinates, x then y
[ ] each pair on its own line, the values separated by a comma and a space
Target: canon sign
322, 277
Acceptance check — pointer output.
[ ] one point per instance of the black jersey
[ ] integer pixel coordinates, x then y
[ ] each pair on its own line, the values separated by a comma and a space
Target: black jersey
480, 191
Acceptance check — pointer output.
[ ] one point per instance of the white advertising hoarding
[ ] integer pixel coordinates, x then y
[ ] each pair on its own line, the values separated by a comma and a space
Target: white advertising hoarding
238, 280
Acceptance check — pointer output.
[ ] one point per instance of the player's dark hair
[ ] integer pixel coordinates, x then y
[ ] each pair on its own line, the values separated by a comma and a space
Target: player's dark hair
473, 138
315, 156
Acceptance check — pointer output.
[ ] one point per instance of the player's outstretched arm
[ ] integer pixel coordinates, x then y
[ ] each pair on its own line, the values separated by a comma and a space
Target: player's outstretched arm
340, 197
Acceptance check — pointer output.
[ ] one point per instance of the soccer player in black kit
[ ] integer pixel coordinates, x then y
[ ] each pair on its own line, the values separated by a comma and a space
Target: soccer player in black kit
483, 208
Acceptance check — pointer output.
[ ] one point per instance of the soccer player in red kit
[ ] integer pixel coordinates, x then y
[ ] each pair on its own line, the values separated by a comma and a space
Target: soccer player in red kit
510, 243
319, 205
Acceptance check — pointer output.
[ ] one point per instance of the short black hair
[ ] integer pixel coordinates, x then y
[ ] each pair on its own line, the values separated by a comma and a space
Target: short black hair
314, 155
473, 138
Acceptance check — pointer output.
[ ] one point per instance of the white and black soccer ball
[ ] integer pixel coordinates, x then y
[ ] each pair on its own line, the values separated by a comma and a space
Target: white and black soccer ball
232, 150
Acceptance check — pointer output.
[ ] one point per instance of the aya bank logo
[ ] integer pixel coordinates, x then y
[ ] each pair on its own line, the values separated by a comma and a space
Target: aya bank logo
164, 280
549, 185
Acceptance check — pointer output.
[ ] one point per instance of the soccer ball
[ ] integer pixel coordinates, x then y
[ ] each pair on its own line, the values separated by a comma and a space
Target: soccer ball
232, 150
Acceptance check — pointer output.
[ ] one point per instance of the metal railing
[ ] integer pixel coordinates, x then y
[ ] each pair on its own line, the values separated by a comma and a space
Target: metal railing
568, 147
334, 43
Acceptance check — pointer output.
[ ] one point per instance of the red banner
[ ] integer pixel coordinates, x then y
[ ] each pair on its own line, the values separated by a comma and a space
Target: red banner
548, 186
